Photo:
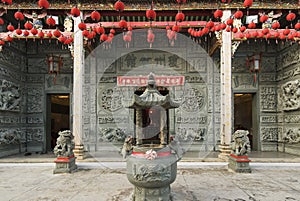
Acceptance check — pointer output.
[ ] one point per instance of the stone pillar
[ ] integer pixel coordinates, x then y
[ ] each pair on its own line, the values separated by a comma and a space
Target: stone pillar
139, 126
163, 133
77, 90
226, 91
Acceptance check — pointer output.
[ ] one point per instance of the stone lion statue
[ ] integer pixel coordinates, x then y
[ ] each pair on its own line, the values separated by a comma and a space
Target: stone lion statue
241, 144
64, 144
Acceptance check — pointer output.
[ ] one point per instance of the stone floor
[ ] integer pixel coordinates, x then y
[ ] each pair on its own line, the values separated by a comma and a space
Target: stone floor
31, 178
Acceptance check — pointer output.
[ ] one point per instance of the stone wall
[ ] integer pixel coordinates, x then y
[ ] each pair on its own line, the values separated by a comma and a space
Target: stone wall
289, 99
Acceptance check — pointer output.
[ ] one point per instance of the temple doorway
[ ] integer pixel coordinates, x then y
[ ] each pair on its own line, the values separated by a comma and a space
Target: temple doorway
58, 117
245, 116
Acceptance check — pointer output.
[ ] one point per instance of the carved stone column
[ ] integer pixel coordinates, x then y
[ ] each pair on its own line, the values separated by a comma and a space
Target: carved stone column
163, 132
139, 126
77, 89
226, 91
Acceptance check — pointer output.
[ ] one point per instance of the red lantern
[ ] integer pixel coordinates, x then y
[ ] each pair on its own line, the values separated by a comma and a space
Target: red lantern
243, 28
179, 17
291, 16
112, 31
49, 34
75, 12
19, 16
129, 28
85, 33
82, 26
297, 26
43, 4
181, 1
286, 31
238, 14
62, 39
95, 15
282, 36
9, 2
290, 37
100, 30
263, 18
1, 21
10, 27
150, 14
254, 34
248, 35
251, 25
248, 3
68, 41
2, 42
210, 24
26, 33
119, 6
103, 37
234, 29
260, 34
218, 14
19, 31
241, 35
9, 38
205, 30
229, 22
122, 24
228, 29
276, 34
28, 25
176, 28
276, 25
223, 26
33, 31
41, 34
56, 33
50, 21
265, 31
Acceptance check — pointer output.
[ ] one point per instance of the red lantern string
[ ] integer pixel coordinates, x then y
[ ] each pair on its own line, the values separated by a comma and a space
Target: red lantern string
43, 4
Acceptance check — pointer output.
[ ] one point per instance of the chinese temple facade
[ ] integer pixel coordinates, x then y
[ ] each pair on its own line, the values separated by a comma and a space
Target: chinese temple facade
78, 79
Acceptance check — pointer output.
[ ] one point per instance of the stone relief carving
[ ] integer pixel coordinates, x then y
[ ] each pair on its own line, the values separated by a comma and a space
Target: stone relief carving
195, 78
192, 119
111, 99
35, 100
268, 98
190, 134
9, 136
268, 119
9, 96
35, 134
290, 57
18, 61
152, 173
270, 134
194, 100
59, 81
268, 64
10, 74
283, 75
291, 95
37, 65
110, 119
243, 81
267, 77
112, 134
292, 136
197, 64
292, 119
9, 120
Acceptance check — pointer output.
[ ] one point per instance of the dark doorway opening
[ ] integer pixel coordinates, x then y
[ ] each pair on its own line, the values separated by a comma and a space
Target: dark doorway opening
58, 117
243, 113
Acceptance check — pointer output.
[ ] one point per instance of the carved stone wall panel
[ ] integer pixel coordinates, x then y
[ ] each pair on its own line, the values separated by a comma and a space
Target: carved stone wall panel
35, 119
15, 60
60, 82
294, 119
35, 98
266, 119
195, 99
291, 135
290, 97
86, 99
10, 96
35, 134
195, 78
11, 136
37, 65
239, 65
268, 98
289, 57
267, 77
217, 78
288, 74
268, 64
9, 74
244, 81
8, 120
198, 64
35, 78
270, 133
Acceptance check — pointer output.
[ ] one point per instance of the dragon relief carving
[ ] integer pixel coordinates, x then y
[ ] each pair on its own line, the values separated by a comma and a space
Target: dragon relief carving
112, 134
194, 100
291, 95
9, 96
292, 136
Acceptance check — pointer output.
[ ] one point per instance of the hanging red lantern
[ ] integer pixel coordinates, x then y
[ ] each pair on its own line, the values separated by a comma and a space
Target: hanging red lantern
276, 34
1, 21
251, 25
265, 31
276, 25
234, 29
205, 30
103, 37
10, 28
85, 33
95, 15
229, 21
286, 31
82, 26
75, 12
263, 18
130, 28
282, 36
25, 33
62, 39
49, 34
150, 14
254, 34
210, 24
123, 24
33, 31
248, 35
19, 16
43, 4
181, 1
223, 26
248, 3
91, 35
8, 2
291, 16
112, 31
218, 14
56, 33
241, 35
297, 25
290, 37
243, 28
50, 21
268, 35
19, 31
8, 38
2, 42
28, 25
176, 28
68, 41
100, 30
218, 27
238, 14
228, 29
41, 34
179, 17
119, 6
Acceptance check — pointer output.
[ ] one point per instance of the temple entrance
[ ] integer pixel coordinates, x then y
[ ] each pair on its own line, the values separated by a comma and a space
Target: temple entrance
245, 116
58, 117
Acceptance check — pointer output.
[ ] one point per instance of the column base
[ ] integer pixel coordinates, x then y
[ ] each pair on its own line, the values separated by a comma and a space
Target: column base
79, 152
239, 164
225, 151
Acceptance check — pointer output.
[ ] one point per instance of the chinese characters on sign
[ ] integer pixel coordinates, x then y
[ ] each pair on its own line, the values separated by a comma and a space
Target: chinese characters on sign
142, 80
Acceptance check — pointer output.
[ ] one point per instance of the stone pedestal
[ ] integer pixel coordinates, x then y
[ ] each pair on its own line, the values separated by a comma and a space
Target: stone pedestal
152, 178
64, 165
239, 164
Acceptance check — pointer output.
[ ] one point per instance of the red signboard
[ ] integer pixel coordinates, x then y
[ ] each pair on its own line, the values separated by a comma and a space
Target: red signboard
142, 80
